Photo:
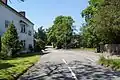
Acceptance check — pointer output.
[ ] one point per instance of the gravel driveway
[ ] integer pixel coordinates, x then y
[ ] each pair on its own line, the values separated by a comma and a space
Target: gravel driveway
69, 65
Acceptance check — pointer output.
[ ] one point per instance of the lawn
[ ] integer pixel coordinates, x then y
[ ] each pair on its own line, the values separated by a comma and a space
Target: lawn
12, 68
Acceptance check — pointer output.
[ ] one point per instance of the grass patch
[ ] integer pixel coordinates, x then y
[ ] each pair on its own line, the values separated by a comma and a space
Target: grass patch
112, 63
85, 49
10, 69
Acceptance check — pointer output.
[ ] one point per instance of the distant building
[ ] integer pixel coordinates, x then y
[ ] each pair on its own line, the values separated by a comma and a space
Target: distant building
25, 28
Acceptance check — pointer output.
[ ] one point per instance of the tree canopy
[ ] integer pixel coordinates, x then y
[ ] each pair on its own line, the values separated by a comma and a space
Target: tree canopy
61, 31
102, 22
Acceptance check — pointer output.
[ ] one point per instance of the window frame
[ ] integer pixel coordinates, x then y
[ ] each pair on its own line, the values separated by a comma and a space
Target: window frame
7, 23
23, 28
30, 33
23, 43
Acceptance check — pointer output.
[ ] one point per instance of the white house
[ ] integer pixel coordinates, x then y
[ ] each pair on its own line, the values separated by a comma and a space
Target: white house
24, 26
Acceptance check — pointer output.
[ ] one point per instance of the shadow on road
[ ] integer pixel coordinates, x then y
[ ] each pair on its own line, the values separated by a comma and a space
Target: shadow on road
83, 71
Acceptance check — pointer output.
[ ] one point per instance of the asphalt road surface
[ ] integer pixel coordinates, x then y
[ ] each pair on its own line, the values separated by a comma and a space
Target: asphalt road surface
69, 65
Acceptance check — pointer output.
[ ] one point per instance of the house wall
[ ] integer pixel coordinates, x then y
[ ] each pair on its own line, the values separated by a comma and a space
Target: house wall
7, 14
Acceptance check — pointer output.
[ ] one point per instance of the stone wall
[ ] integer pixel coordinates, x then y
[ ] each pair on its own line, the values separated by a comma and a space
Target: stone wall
113, 49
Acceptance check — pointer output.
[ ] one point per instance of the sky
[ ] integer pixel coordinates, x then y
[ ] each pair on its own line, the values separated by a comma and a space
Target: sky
43, 12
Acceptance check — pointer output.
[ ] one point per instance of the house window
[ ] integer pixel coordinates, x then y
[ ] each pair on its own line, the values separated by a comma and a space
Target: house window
7, 23
23, 28
29, 33
23, 43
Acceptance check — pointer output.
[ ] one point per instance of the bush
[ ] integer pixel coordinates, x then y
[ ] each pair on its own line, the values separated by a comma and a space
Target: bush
39, 45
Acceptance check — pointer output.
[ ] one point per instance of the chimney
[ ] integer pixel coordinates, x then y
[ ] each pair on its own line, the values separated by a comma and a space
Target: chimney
22, 13
4, 1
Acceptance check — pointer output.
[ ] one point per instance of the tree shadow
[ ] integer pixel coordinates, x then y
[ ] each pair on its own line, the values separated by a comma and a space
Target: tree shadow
45, 52
29, 54
94, 72
83, 71
5, 65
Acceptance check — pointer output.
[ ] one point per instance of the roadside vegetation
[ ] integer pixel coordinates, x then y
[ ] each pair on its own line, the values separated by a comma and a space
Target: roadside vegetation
10, 69
102, 23
40, 39
102, 27
85, 49
111, 63
61, 34
13, 63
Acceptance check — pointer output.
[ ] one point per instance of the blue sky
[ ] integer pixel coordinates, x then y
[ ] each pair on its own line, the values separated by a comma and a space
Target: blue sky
43, 12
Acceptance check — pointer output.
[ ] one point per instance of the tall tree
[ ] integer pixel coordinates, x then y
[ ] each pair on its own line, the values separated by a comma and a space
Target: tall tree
61, 32
102, 22
88, 32
107, 21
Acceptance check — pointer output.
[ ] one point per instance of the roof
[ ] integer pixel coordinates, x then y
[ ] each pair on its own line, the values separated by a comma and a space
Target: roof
10, 8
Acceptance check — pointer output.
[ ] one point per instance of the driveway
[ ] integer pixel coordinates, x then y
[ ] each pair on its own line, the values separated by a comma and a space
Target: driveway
69, 65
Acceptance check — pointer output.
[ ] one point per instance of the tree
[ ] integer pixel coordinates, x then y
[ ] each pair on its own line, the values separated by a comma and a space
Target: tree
40, 39
10, 41
88, 32
107, 22
102, 23
41, 34
61, 32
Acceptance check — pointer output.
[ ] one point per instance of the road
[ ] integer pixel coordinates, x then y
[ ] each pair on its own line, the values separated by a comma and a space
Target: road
69, 65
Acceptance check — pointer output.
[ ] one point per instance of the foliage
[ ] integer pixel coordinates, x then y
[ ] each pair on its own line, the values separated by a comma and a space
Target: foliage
10, 41
61, 32
88, 32
75, 41
39, 45
40, 39
102, 23
112, 63
41, 34
10, 69
107, 22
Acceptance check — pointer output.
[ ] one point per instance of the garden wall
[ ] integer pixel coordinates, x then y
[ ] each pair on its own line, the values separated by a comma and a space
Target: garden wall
113, 49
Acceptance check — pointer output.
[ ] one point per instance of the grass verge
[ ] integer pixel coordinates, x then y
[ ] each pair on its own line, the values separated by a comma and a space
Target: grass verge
12, 68
85, 49
111, 63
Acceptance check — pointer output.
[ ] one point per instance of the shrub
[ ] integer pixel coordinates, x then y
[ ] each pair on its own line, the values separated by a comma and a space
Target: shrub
39, 45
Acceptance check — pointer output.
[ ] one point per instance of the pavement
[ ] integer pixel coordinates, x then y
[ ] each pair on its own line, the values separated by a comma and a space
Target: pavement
69, 65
